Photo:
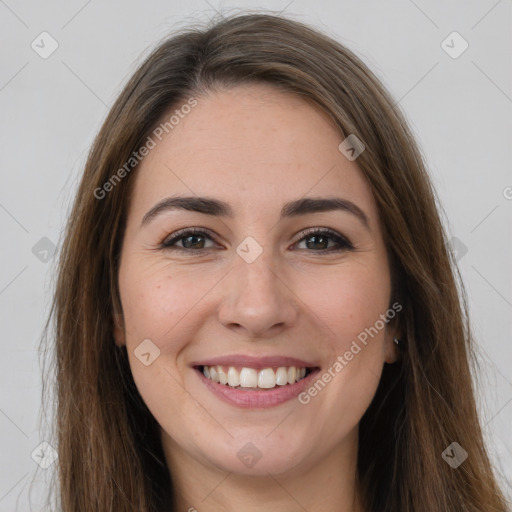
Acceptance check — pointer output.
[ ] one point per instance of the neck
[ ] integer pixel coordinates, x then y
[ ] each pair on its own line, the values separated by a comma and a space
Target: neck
328, 484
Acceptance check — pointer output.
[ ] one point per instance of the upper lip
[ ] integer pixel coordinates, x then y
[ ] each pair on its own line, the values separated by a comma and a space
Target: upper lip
258, 363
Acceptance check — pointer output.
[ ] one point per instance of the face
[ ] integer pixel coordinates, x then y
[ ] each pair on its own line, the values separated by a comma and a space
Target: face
276, 284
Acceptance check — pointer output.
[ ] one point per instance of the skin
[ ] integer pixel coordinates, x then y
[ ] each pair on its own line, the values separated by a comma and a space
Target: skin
255, 148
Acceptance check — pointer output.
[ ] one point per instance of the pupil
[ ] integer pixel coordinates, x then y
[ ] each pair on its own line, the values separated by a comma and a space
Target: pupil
318, 237
185, 240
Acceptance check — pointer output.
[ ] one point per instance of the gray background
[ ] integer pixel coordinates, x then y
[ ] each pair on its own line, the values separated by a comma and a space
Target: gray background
459, 108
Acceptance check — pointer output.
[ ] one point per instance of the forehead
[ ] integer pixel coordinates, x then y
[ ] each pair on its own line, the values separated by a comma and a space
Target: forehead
253, 146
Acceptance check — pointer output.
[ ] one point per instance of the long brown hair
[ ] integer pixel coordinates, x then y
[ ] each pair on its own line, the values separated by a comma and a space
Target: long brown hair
110, 453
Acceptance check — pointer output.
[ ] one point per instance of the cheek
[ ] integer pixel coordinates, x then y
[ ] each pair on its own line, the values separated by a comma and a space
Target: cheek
348, 301
351, 303
154, 300
158, 306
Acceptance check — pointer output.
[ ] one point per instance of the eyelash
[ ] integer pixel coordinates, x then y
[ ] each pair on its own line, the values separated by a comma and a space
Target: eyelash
343, 242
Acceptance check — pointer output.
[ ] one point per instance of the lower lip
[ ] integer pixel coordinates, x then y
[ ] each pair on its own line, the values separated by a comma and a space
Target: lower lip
260, 399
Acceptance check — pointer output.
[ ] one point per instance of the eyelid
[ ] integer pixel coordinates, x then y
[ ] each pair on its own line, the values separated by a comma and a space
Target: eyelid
321, 230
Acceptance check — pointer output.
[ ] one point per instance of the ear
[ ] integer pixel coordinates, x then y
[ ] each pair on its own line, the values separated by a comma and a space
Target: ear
392, 352
119, 336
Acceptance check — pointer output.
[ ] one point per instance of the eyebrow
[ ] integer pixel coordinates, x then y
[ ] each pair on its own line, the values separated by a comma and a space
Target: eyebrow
217, 208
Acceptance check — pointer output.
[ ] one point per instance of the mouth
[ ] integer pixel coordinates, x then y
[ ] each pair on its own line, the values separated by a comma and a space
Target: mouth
257, 386
253, 379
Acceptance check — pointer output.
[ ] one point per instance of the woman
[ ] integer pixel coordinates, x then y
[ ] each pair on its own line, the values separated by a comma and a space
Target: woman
255, 307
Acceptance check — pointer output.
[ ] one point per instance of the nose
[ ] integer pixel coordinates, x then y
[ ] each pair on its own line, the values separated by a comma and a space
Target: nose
257, 301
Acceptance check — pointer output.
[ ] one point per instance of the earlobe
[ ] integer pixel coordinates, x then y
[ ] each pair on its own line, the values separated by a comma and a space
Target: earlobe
119, 336
392, 349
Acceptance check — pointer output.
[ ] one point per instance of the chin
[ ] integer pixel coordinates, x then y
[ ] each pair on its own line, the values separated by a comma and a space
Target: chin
258, 455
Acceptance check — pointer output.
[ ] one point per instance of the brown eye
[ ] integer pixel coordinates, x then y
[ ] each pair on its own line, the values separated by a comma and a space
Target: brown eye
189, 238
318, 240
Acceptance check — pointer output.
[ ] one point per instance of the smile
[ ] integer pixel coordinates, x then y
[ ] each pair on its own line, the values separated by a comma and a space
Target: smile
255, 382
252, 379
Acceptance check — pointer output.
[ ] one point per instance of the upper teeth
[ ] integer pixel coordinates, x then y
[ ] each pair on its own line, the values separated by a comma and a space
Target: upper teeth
251, 378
